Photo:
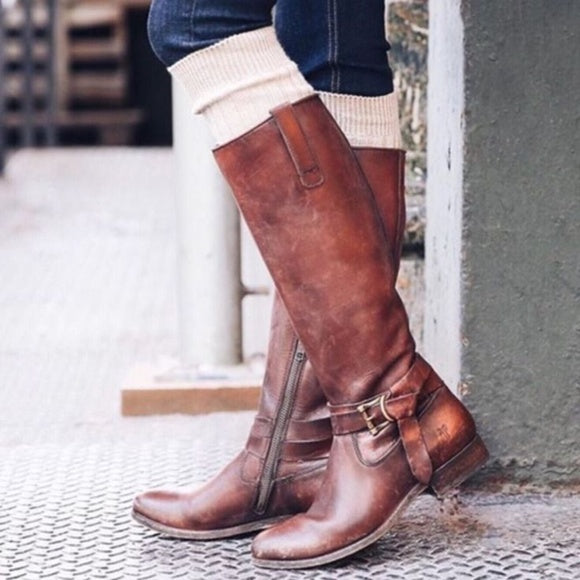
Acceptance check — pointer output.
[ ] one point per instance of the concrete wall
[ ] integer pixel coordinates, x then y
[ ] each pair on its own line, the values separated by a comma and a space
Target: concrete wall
513, 170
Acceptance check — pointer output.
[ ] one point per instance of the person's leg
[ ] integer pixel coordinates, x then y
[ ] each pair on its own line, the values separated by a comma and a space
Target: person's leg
266, 481
397, 429
282, 478
341, 49
340, 46
177, 28
185, 35
279, 479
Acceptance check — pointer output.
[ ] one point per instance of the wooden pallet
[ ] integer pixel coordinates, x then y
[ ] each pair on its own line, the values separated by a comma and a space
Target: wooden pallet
112, 127
91, 67
108, 86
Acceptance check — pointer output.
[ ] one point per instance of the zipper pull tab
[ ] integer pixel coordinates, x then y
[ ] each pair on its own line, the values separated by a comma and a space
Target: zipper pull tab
300, 355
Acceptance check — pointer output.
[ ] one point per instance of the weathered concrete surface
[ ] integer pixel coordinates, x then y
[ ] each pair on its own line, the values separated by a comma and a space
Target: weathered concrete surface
520, 325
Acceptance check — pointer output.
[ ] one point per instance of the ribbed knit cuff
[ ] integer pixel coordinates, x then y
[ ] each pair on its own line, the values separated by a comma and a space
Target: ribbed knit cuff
366, 121
238, 81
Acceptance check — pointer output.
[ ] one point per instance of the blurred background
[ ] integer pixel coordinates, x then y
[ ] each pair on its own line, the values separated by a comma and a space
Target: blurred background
80, 75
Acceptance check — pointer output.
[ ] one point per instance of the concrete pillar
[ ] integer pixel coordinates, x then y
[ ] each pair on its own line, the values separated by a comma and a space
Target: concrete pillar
444, 190
503, 237
208, 231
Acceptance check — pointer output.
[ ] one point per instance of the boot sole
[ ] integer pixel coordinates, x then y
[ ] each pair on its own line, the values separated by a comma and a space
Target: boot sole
348, 550
207, 534
445, 479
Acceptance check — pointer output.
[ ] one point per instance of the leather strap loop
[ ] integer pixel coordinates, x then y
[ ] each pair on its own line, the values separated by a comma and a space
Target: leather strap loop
309, 430
401, 407
300, 451
298, 430
298, 147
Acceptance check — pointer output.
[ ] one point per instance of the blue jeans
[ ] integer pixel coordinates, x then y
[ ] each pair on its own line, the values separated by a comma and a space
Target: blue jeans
339, 46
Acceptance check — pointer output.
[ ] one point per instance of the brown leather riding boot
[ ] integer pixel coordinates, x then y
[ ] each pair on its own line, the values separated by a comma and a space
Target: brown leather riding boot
280, 469
397, 428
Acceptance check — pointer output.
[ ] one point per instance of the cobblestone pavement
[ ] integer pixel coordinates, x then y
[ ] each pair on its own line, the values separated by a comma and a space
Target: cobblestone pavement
86, 274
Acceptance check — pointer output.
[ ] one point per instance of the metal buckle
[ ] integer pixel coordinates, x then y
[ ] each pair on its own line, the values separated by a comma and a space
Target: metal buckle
378, 402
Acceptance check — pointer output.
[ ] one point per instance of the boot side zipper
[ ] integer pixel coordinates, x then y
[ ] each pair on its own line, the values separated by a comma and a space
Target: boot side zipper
280, 427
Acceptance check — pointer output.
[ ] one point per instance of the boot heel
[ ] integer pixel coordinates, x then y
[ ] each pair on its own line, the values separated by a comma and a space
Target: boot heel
459, 468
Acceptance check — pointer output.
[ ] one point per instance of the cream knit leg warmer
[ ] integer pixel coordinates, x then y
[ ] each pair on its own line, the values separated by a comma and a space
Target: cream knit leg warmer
366, 121
238, 81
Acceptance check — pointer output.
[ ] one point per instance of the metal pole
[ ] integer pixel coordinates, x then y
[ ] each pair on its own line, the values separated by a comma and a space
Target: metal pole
208, 230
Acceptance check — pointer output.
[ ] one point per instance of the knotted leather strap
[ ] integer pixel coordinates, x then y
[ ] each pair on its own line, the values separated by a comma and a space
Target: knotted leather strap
397, 405
403, 410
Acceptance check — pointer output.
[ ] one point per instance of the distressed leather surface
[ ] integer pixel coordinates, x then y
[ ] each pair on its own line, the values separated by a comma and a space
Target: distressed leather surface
230, 498
312, 213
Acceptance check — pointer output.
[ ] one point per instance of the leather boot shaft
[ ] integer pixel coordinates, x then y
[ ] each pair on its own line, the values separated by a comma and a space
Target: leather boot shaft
397, 428
325, 246
280, 470
293, 421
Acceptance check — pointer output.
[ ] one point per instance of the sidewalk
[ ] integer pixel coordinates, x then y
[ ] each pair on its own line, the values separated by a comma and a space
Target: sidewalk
87, 264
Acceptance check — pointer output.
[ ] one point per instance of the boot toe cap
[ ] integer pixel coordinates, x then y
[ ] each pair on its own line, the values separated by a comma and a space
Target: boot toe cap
293, 539
162, 506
